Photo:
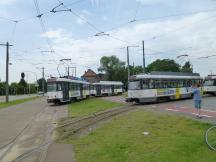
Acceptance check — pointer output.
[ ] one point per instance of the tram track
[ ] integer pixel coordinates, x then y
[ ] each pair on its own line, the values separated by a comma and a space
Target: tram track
7, 147
76, 126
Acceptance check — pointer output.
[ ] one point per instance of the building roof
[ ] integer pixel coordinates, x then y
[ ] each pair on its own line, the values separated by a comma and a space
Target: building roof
89, 73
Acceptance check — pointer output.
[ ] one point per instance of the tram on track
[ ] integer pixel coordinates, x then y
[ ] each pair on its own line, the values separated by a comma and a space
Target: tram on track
106, 88
61, 90
159, 86
209, 85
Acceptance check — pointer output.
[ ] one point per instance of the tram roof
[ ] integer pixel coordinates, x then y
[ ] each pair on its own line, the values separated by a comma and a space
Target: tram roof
108, 83
211, 77
66, 80
149, 76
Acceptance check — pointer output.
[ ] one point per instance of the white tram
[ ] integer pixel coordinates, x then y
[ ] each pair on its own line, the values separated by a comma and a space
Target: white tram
158, 86
209, 86
108, 88
66, 90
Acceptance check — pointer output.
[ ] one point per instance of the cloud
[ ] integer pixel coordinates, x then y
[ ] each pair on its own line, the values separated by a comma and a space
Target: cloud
192, 35
95, 3
151, 2
83, 17
7, 2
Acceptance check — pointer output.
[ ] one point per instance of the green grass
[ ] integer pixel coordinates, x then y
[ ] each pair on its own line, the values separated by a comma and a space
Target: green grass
170, 139
89, 106
12, 103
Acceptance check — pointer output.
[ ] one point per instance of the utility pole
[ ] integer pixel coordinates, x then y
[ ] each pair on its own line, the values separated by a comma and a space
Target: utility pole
68, 67
68, 72
43, 78
7, 70
144, 66
128, 62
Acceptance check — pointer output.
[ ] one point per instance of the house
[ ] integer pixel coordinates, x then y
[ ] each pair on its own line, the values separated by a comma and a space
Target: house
92, 77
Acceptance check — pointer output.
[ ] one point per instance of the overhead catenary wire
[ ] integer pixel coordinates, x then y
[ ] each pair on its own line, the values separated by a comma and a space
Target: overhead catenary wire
136, 11
129, 22
45, 31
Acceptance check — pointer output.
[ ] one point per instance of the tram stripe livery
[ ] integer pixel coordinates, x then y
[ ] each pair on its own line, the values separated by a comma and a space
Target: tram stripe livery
158, 86
66, 90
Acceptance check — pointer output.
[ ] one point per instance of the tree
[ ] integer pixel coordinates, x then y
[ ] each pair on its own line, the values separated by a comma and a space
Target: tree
136, 70
2, 88
114, 69
164, 65
187, 67
40, 84
22, 85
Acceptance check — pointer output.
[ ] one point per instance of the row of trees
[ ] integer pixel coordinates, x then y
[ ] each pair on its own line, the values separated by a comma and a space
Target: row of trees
22, 87
117, 70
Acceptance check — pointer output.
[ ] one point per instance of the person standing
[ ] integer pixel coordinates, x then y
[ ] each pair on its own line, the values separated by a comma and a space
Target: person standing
197, 97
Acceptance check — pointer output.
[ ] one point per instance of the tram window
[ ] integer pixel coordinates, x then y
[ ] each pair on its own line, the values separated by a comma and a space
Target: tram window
209, 83
59, 87
151, 84
51, 87
189, 83
145, 84
134, 85
181, 83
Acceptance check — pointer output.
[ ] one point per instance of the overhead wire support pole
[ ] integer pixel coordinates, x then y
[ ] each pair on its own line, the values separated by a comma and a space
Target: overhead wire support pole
144, 65
43, 79
128, 62
43, 84
7, 71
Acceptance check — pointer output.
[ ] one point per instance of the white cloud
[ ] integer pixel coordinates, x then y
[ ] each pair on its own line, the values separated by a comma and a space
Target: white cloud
7, 2
95, 3
172, 36
151, 2
83, 17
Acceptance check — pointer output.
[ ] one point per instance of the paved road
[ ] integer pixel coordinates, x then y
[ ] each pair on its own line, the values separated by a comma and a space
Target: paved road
181, 106
32, 123
12, 98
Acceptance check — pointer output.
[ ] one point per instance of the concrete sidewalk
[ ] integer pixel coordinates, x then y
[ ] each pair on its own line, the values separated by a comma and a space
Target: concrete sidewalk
17, 97
60, 153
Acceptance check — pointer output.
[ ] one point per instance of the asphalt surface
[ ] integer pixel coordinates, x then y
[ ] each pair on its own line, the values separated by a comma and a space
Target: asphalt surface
32, 124
27, 132
183, 107
17, 97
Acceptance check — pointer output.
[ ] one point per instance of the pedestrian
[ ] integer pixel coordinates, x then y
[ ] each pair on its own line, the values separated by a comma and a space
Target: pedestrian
197, 97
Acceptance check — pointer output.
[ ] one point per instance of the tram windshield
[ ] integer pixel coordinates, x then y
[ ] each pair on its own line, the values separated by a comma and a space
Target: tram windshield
209, 83
134, 85
51, 87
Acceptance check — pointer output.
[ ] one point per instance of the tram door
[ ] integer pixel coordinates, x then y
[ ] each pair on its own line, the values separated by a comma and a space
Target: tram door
65, 90
98, 90
81, 90
113, 89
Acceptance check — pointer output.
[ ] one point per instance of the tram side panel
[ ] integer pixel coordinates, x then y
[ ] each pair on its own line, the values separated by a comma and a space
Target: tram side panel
145, 91
75, 92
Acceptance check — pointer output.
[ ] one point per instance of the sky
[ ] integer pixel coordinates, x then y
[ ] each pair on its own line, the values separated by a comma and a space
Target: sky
169, 28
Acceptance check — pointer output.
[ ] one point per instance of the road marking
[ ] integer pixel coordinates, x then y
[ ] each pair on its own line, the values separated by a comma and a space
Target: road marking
203, 115
209, 110
172, 110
